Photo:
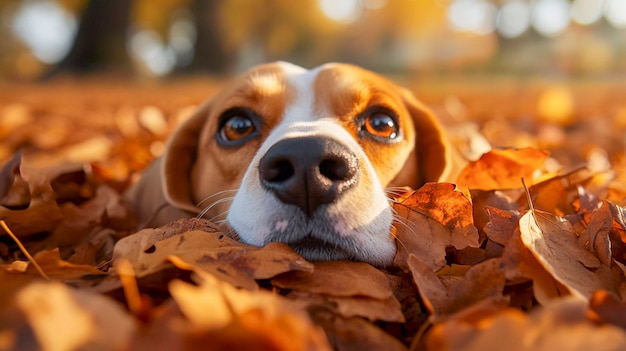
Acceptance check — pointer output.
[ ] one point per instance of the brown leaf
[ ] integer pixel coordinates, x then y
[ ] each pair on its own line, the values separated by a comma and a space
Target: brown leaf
41, 216
519, 264
338, 278
485, 280
552, 241
560, 325
62, 318
483, 200
52, 264
227, 259
431, 219
605, 307
354, 334
595, 237
11, 282
502, 224
79, 221
261, 315
133, 245
37, 212
560, 194
502, 169
388, 310
14, 191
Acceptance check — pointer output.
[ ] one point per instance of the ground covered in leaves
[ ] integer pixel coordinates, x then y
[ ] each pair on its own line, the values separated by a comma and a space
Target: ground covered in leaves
481, 265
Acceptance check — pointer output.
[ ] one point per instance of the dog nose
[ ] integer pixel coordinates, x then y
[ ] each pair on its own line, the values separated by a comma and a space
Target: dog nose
308, 171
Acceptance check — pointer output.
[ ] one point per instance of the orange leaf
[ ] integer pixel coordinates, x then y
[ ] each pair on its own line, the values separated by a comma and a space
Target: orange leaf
218, 306
431, 219
502, 169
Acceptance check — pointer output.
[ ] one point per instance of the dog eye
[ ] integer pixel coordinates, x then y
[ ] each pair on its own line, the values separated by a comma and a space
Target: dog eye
236, 128
381, 125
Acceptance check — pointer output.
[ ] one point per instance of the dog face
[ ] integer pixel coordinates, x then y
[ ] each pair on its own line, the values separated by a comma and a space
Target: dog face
304, 156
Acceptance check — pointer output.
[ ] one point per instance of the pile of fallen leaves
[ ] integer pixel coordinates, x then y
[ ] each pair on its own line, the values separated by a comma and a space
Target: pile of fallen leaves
488, 263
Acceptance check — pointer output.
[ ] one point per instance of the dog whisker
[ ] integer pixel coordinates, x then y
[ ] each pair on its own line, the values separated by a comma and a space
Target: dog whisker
212, 219
395, 190
208, 208
404, 222
230, 232
216, 194
397, 238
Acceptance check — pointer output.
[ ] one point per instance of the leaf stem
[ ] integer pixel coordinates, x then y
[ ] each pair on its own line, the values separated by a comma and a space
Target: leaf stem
530, 200
23, 249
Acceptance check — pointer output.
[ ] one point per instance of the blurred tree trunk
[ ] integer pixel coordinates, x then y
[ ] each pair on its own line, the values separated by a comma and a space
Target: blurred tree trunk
100, 44
211, 54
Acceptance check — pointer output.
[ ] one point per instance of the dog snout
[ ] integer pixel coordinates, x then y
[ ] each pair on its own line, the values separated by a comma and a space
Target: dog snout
308, 171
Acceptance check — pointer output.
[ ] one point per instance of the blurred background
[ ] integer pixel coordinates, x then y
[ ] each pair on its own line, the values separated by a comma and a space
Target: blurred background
157, 38
106, 81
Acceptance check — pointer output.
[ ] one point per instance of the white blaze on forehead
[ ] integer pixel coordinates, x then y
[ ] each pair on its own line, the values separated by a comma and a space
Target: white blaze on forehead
302, 107
267, 84
271, 83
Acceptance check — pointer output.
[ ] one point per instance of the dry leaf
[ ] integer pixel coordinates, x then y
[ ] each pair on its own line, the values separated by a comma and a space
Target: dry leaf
338, 278
552, 241
54, 267
219, 307
388, 310
431, 219
501, 169
144, 240
561, 194
229, 260
62, 318
354, 334
485, 280
519, 264
560, 325
605, 307
595, 237
75, 208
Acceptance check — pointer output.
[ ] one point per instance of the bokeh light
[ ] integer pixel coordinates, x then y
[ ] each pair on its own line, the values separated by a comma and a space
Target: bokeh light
615, 13
341, 11
587, 12
551, 17
477, 16
513, 18
46, 28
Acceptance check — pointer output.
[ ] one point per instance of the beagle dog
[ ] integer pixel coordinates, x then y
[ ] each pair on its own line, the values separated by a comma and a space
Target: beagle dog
301, 157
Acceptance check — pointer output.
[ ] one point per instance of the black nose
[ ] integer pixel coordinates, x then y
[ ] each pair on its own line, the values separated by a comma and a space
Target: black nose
308, 172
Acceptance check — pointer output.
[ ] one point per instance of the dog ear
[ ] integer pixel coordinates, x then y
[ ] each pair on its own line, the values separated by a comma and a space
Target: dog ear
162, 193
179, 157
431, 159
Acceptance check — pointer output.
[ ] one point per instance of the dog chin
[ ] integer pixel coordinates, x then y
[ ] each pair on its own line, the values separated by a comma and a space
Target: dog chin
333, 232
313, 249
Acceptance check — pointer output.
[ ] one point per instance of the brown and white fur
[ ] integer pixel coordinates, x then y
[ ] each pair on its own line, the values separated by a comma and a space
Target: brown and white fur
301, 157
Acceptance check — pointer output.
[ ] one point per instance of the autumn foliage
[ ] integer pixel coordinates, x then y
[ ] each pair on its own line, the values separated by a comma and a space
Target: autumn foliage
486, 264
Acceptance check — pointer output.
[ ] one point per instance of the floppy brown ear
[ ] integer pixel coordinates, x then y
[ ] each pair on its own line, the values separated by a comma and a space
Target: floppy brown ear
162, 194
179, 157
431, 158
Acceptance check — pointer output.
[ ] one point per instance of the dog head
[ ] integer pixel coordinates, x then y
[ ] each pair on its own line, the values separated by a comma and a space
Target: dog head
304, 157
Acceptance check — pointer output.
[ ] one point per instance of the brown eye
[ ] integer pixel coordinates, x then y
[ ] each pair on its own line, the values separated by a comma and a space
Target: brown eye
381, 125
236, 128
